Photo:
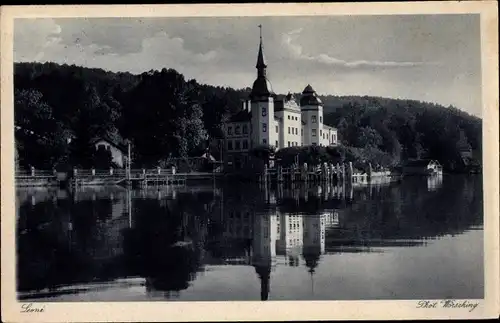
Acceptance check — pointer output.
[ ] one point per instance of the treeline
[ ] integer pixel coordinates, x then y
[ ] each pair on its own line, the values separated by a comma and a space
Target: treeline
409, 129
160, 112
164, 115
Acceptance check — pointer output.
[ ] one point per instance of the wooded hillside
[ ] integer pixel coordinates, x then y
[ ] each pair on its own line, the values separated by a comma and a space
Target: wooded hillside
163, 114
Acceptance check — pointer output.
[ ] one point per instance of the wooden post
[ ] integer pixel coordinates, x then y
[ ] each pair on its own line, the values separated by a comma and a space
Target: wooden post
111, 171
159, 170
32, 171
306, 172
351, 172
369, 171
93, 171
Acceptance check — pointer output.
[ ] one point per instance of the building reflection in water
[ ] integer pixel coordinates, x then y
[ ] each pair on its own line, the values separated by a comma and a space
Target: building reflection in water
434, 182
168, 237
277, 237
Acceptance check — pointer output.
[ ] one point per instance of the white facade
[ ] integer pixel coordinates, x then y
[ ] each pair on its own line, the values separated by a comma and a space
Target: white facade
117, 155
280, 121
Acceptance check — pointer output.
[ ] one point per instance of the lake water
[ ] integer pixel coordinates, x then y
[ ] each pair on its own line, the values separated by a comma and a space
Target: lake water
421, 238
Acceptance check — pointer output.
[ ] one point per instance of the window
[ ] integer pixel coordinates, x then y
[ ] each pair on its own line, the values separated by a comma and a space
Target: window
320, 119
237, 130
264, 111
229, 130
288, 117
314, 132
327, 136
230, 145
320, 132
277, 130
245, 144
296, 131
313, 119
301, 132
264, 127
245, 129
277, 144
264, 141
237, 145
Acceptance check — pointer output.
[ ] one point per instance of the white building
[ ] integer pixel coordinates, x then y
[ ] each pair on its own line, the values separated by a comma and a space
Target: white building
279, 121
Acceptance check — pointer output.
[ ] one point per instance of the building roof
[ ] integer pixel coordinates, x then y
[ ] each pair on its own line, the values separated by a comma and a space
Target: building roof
241, 116
309, 97
261, 88
112, 138
308, 90
261, 62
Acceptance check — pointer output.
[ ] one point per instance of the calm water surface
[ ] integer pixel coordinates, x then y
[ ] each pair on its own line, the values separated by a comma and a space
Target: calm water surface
421, 238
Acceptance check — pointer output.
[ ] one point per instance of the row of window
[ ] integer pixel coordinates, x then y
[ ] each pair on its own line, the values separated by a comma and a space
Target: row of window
293, 131
314, 119
237, 144
237, 130
293, 118
292, 144
327, 136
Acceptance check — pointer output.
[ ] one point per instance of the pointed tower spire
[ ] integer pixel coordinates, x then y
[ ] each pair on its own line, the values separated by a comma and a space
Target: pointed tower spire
261, 64
261, 87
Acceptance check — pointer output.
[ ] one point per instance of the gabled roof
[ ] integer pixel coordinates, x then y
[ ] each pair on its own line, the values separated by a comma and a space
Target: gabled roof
113, 139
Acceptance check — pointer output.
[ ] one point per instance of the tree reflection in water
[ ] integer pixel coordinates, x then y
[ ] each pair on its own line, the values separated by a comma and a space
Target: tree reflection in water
89, 236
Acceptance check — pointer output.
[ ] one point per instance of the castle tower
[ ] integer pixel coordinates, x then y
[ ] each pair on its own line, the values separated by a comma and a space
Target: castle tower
262, 104
312, 116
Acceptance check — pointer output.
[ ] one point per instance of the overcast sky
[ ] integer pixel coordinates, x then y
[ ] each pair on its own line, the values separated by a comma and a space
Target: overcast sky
425, 57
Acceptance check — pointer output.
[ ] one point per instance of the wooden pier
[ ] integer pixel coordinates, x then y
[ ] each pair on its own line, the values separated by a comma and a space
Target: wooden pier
123, 177
326, 173
329, 173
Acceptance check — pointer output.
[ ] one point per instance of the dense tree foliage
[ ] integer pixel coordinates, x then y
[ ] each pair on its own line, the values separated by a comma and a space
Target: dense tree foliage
405, 129
163, 115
